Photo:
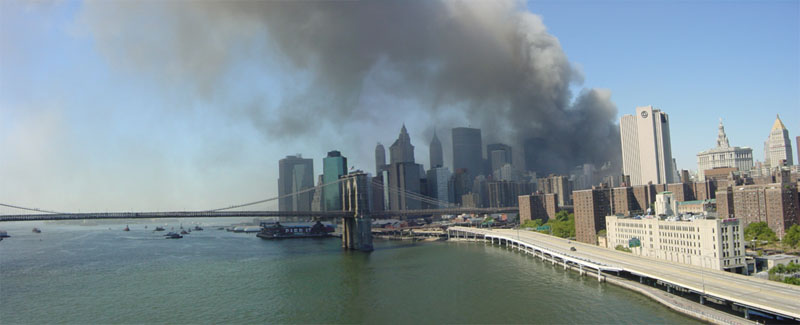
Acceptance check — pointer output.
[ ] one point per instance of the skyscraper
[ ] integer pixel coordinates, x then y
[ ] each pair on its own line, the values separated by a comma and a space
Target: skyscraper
778, 147
646, 148
468, 151
401, 150
333, 166
404, 174
436, 152
499, 155
380, 158
723, 155
439, 184
295, 174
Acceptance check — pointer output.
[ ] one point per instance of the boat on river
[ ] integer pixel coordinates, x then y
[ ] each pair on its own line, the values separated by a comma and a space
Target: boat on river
37, 230
274, 230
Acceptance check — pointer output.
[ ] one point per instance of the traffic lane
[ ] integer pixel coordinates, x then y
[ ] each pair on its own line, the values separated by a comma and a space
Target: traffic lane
683, 274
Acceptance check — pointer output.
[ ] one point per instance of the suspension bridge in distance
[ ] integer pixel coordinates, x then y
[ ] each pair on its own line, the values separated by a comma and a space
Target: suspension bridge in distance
322, 215
356, 214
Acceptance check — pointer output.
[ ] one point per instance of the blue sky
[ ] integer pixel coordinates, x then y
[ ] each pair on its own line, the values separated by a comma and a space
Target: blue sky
698, 61
80, 131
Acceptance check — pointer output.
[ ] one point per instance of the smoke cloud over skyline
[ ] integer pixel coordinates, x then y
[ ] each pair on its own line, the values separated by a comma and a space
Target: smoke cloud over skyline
358, 69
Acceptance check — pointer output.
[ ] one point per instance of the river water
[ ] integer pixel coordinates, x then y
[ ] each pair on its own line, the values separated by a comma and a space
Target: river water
75, 272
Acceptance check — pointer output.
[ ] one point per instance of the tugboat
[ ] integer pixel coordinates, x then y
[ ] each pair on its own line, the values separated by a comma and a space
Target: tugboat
159, 228
37, 230
126, 228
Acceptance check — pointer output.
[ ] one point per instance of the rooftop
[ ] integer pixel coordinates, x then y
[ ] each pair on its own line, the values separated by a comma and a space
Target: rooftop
778, 257
697, 201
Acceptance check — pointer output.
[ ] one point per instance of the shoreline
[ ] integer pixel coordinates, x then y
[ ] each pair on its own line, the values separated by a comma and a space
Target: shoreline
673, 302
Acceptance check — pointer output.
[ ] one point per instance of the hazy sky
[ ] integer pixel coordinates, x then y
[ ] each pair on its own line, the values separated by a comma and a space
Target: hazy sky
110, 106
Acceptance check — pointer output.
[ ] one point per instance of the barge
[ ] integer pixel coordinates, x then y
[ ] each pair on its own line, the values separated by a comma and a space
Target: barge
274, 230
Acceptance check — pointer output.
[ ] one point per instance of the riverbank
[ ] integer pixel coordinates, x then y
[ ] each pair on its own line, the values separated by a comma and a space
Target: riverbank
69, 273
671, 301
679, 304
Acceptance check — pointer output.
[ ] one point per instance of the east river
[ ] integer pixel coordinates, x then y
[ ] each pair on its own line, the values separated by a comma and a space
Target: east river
76, 272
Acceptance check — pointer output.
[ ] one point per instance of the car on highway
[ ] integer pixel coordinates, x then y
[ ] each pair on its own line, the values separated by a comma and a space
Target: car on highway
572, 248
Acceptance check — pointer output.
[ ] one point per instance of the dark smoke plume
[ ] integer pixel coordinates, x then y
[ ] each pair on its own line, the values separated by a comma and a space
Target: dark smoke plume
492, 63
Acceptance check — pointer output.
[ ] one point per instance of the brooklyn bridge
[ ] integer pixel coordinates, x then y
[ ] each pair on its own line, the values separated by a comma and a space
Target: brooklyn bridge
356, 215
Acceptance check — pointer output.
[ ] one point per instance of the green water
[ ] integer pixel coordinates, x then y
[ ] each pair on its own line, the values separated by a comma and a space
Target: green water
74, 273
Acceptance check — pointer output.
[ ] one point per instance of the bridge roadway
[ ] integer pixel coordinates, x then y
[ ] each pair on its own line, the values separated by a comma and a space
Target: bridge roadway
762, 295
231, 214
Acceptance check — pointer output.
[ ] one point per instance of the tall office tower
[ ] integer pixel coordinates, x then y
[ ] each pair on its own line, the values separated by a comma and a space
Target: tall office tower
317, 203
460, 184
778, 147
797, 144
439, 185
333, 167
295, 174
404, 186
723, 155
404, 174
506, 193
557, 184
401, 150
380, 158
646, 148
467, 151
436, 155
499, 155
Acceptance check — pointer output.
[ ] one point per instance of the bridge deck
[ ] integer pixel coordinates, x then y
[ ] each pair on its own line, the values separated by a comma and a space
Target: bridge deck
771, 296
232, 214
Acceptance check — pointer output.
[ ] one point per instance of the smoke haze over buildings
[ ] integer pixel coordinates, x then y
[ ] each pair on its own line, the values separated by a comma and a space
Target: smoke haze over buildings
340, 64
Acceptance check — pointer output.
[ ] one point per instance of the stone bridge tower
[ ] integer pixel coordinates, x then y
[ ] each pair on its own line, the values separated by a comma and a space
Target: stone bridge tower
357, 230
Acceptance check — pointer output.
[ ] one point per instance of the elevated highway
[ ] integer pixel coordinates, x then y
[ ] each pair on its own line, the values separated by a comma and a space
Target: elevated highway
748, 293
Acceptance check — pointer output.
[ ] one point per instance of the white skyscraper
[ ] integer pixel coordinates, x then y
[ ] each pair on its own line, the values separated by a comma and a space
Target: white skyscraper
646, 148
778, 147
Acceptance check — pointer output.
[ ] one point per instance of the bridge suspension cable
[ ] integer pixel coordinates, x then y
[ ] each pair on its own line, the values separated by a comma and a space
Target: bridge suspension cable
30, 209
413, 195
416, 196
277, 197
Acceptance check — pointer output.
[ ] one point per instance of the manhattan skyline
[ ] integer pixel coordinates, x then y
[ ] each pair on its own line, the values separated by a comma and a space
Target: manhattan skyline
79, 119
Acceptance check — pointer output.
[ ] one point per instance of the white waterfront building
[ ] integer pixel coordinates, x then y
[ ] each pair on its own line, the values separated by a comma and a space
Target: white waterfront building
710, 243
723, 155
646, 148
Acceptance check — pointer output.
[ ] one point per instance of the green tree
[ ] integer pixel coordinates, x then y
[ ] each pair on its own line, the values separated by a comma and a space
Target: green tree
562, 215
792, 237
759, 231
563, 225
532, 223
